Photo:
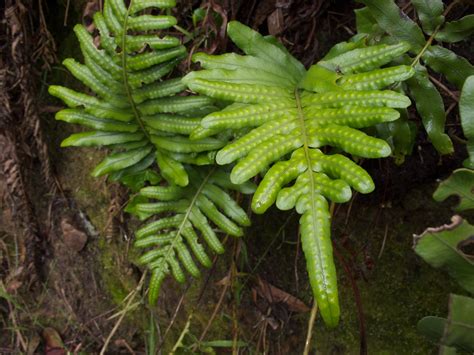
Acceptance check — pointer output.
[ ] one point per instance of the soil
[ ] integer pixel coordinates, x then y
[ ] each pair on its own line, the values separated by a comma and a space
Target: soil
80, 274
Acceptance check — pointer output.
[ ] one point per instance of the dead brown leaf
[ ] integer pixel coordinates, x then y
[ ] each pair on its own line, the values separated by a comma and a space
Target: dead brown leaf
54, 344
275, 22
276, 295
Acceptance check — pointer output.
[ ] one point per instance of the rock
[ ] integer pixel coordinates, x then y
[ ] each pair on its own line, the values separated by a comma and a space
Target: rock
73, 238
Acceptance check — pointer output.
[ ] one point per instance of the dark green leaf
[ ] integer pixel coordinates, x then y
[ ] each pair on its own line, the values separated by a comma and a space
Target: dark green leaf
444, 61
456, 31
396, 23
430, 107
432, 328
132, 207
461, 184
137, 180
466, 111
430, 13
459, 330
400, 134
447, 350
198, 15
443, 247
365, 22
453, 333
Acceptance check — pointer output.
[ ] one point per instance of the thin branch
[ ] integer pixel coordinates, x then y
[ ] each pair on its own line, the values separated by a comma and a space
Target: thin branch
312, 319
131, 297
444, 88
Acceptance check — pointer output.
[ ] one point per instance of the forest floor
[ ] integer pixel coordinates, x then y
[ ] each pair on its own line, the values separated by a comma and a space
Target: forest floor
67, 279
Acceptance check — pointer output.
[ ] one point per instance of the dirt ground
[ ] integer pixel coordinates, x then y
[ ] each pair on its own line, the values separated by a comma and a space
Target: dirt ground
66, 263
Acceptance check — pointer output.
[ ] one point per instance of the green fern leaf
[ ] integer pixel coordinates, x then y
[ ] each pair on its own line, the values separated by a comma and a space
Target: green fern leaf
291, 111
172, 241
134, 111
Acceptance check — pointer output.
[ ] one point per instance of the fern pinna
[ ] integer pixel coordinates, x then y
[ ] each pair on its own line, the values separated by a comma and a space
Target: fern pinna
142, 119
290, 111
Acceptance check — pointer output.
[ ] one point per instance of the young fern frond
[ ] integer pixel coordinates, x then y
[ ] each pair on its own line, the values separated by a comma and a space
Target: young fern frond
291, 111
141, 118
185, 216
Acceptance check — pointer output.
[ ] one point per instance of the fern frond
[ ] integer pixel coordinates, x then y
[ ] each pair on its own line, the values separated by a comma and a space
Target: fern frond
185, 217
133, 110
289, 110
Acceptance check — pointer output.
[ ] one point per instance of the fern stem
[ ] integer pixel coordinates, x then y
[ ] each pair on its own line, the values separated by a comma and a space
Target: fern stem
184, 32
423, 50
312, 319
185, 331
431, 38
136, 113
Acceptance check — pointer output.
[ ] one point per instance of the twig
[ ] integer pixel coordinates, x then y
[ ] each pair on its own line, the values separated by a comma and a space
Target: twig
179, 342
184, 32
450, 108
66, 12
123, 343
131, 297
312, 319
349, 210
444, 88
383, 242
295, 265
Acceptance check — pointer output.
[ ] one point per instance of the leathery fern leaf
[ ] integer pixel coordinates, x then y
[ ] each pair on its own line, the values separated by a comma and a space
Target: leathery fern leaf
183, 216
293, 112
134, 112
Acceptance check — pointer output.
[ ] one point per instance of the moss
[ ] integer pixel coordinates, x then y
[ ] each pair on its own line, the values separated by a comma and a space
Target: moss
401, 288
117, 284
